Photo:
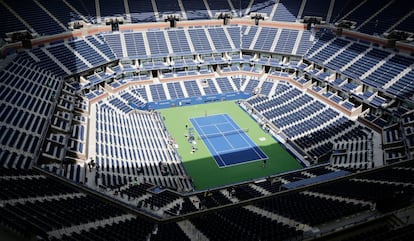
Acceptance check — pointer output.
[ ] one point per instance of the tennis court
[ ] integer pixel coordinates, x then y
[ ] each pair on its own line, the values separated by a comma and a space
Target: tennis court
201, 166
226, 141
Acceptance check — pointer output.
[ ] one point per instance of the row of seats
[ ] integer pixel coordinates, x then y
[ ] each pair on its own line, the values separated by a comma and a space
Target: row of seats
31, 187
367, 191
74, 56
67, 133
237, 223
130, 229
58, 15
28, 93
309, 123
385, 232
311, 210
138, 96
145, 154
383, 66
63, 207
355, 153
72, 172
56, 214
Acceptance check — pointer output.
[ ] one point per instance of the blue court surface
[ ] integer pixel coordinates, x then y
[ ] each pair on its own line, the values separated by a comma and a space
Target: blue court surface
227, 143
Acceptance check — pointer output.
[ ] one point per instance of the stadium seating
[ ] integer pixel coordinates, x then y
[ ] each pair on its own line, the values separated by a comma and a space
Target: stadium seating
56, 16
154, 149
157, 43
303, 120
78, 55
373, 66
286, 41
142, 12
9, 26
108, 8
287, 11
292, 206
83, 156
28, 92
236, 222
135, 44
195, 10
265, 39
34, 14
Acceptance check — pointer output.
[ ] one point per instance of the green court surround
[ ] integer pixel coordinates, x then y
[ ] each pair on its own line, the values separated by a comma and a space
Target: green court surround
201, 166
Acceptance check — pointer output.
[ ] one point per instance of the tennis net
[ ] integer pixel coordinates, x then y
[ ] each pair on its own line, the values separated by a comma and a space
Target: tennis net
226, 133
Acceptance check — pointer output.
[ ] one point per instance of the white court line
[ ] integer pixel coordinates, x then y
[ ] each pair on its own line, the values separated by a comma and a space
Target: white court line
209, 116
222, 133
230, 121
224, 136
224, 163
